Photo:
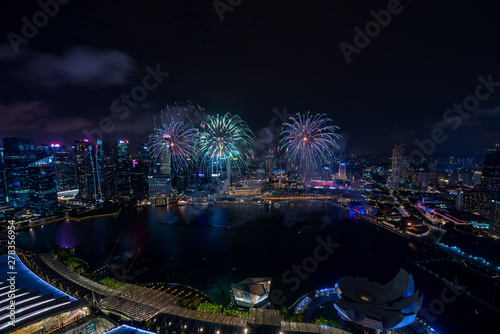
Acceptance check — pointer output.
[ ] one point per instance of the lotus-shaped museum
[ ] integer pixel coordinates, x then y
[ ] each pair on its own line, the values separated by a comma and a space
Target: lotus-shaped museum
379, 306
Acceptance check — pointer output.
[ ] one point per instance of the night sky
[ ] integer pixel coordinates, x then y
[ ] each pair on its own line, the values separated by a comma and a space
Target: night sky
263, 55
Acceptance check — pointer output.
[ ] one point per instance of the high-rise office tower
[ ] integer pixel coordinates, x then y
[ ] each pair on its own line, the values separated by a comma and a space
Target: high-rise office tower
64, 167
43, 188
98, 170
3, 185
160, 183
475, 200
491, 171
142, 167
139, 176
18, 154
342, 171
326, 172
144, 155
88, 170
421, 179
398, 165
82, 169
123, 176
109, 184
495, 216
477, 178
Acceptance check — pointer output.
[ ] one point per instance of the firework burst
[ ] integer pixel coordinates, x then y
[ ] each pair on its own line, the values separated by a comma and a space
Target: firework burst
174, 139
225, 142
308, 139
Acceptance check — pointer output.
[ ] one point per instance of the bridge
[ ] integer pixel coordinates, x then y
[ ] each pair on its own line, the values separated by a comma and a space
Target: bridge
298, 198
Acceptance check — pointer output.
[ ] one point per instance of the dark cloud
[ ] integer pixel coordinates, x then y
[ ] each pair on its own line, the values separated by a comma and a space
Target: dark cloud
21, 117
78, 65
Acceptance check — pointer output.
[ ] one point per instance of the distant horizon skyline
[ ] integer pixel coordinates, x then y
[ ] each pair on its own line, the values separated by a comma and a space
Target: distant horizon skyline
134, 146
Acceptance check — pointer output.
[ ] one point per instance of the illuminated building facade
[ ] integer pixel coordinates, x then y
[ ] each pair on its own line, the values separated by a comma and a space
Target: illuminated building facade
421, 180
3, 184
64, 166
139, 176
18, 154
398, 165
475, 201
123, 177
83, 170
109, 161
491, 171
342, 171
43, 189
495, 217
158, 185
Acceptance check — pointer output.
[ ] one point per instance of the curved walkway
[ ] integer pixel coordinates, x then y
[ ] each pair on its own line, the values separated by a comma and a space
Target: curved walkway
64, 271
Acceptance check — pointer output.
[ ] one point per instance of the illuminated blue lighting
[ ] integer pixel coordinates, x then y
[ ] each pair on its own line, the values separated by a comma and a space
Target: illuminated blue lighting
26, 278
129, 329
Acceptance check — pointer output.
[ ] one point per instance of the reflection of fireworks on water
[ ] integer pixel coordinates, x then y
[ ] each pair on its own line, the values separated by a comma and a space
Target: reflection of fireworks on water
175, 140
225, 142
308, 139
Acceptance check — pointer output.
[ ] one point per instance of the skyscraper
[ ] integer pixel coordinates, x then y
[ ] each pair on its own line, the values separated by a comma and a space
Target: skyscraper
475, 200
495, 217
43, 188
88, 170
421, 181
18, 154
342, 171
398, 165
98, 170
108, 182
491, 171
123, 176
64, 167
3, 185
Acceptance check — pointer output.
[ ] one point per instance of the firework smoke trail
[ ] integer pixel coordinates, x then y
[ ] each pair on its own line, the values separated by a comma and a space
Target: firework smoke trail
307, 139
175, 139
188, 112
225, 141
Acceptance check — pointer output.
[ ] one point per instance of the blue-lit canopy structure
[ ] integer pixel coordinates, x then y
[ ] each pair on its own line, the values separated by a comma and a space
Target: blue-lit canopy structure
379, 306
31, 303
124, 329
